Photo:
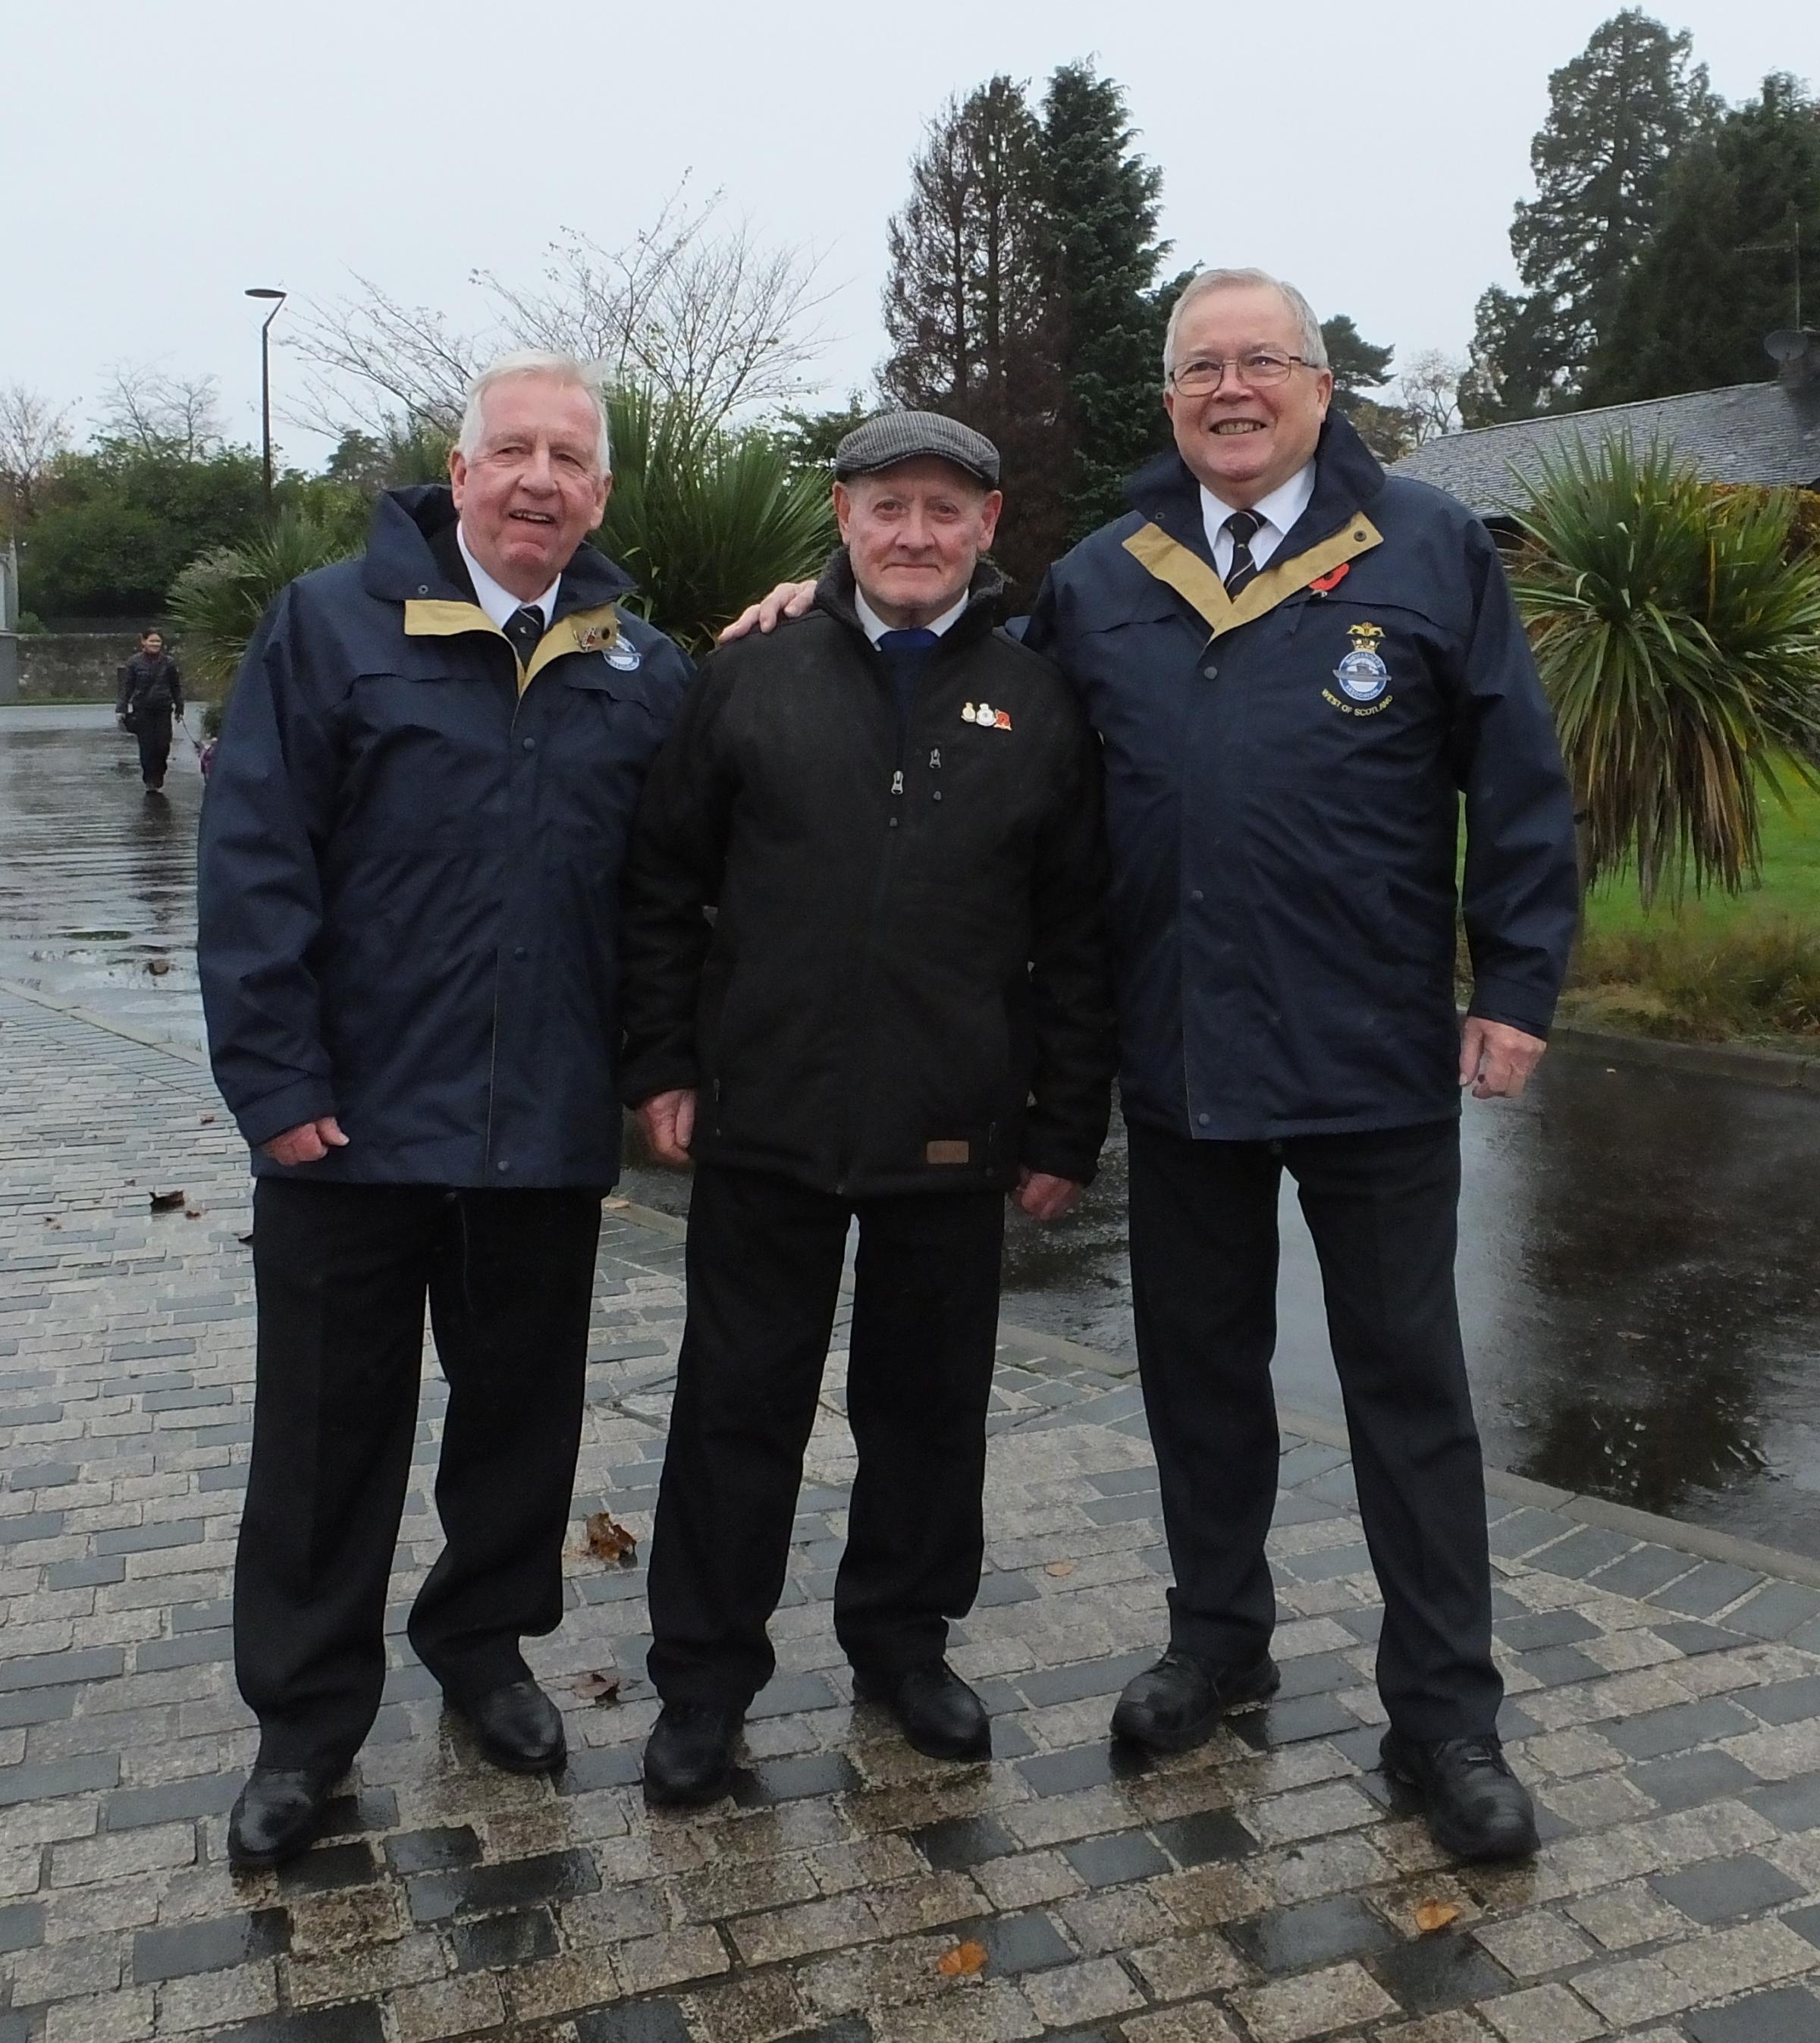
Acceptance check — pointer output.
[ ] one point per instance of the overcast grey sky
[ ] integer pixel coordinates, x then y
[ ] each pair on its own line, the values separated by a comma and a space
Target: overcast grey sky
160, 158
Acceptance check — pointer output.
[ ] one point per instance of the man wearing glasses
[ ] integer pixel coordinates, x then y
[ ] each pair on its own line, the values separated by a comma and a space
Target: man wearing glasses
1298, 666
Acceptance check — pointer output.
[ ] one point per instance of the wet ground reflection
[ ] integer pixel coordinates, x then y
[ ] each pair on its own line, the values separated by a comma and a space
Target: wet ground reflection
98, 878
1640, 1251
1639, 1282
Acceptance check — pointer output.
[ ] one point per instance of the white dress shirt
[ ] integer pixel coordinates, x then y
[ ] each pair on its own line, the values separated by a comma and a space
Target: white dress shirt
500, 603
876, 628
1279, 511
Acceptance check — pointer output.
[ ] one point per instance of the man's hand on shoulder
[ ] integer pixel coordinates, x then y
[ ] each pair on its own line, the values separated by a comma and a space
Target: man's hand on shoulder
668, 1121
789, 598
308, 1143
1043, 1197
1495, 1060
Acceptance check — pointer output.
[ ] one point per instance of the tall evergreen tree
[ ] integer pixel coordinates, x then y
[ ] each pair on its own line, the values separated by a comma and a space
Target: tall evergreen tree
1618, 115
1102, 202
971, 310
1515, 365
1713, 282
1358, 365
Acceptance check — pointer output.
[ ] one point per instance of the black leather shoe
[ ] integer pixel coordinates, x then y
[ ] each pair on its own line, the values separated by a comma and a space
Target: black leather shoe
1475, 1806
520, 1728
688, 1756
935, 1709
1179, 1701
278, 1814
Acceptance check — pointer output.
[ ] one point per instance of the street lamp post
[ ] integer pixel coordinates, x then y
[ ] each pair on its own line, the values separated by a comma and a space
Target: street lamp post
259, 291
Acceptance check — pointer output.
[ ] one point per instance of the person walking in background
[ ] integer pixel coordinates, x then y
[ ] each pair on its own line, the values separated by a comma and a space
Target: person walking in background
151, 695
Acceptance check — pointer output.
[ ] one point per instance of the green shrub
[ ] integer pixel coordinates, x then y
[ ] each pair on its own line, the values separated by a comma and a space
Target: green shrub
218, 600
705, 521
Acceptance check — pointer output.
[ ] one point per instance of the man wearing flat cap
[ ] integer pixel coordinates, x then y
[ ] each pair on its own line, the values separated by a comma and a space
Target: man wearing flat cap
899, 1013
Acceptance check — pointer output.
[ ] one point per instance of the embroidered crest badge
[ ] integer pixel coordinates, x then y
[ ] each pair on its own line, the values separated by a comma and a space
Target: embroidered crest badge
1363, 675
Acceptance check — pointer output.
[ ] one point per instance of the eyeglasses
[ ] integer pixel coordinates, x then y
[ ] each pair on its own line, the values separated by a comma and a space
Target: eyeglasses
1260, 369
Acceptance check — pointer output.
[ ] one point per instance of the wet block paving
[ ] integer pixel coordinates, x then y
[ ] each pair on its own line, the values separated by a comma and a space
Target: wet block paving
1268, 1888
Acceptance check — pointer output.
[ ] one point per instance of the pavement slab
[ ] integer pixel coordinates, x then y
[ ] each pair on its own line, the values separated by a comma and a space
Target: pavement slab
1664, 1705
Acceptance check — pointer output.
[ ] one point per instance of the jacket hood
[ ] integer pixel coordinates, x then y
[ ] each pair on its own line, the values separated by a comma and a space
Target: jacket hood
1347, 477
834, 593
401, 564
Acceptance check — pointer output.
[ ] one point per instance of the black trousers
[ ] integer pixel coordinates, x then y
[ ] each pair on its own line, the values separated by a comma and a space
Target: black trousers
342, 1272
764, 1262
152, 729
1383, 1208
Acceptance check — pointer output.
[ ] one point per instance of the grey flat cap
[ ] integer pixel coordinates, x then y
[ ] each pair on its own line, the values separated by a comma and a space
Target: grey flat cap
895, 436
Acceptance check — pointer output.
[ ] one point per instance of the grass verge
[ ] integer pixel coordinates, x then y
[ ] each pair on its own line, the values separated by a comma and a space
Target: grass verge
1718, 969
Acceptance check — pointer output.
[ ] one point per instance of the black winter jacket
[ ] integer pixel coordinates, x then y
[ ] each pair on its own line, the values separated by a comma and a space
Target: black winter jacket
1284, 778
148, 686
409, 870
905, 987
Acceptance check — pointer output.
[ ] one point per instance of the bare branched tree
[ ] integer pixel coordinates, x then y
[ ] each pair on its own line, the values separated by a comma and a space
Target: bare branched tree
33, 432
379, 362
1430, 390
697, 312
157, 413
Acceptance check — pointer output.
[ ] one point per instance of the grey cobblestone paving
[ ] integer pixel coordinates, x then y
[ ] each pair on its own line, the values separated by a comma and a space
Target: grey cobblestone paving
1665, 1706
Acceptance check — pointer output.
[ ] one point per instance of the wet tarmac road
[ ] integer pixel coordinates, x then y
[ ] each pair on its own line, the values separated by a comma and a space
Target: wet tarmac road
1640, 1251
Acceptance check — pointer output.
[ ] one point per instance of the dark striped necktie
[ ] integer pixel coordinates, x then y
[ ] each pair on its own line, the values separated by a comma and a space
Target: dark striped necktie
1244, 526
524, 628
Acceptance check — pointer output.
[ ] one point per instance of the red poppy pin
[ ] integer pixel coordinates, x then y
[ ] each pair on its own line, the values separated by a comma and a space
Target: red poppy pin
1333, 580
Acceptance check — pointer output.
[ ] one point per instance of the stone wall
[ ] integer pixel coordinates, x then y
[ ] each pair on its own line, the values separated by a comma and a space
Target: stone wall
73, 666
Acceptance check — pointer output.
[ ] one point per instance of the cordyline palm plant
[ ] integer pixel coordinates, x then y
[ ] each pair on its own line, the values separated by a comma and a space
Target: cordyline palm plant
706, 520
1679, 639
218, 600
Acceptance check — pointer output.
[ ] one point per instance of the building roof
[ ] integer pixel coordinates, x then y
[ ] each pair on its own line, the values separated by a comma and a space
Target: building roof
1750, 432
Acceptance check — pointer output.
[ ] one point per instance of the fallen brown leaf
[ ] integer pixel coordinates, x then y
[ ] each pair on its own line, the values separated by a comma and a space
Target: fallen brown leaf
608, 1540
206, 1119
962, 1961
1059, 1568
1433, 1915
158, 967
599, 1684
167, 1201
194, 1213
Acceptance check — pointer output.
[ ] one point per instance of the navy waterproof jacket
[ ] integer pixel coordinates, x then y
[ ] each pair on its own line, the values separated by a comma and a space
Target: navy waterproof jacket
410, 867
1284, 777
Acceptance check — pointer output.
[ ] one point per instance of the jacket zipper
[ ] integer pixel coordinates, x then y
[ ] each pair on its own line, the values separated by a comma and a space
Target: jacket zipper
849, 1132
499, 951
